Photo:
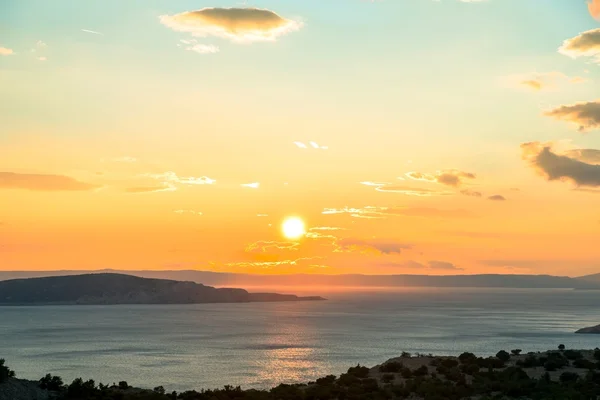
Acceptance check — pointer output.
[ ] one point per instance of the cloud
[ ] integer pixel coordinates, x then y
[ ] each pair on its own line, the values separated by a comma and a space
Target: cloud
270, 264
42, 58
193, 45
590, 156
327, 228
543, 80
594, 7
450, 177
429, 265
172, 177
585, 115
372, 212
497, 197
242, 25
586, 44
92, 32
406, 190
264, 246
560, 167
4, 51
381, 246
312, 144
167, 187
181, 212
253, 185
472, 193
429, 212
42, 182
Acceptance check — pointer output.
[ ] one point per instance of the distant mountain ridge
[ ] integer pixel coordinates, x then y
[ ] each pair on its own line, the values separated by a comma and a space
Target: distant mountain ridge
247, 280
110, 288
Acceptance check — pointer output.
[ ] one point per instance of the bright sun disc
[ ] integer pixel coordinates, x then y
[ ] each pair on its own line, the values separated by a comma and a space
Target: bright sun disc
293, 228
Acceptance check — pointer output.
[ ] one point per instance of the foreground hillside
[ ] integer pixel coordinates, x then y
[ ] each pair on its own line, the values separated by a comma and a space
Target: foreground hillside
124, 289
560, 375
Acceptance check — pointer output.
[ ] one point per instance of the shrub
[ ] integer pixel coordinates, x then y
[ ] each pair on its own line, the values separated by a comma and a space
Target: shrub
597, 354
503, 355
51, 383
421, 371
467, 358
449, 363
359, 371
326, 380
387, 378
583, 363
573, 354
406, 373
568, 377
561, 347
405, 354
159, 390
516, 352
392, 366
5, 372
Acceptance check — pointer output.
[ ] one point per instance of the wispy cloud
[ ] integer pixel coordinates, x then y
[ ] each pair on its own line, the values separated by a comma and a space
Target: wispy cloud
539, 81
271, 264
497, 197
406, 190
172, 177
92, 32
200, 48
42, 182
5, 51
449, 177
553, 166
590, 156
181, 212
312, 144
586, 44
242, 25
429, 265
382, 246
166, 187
265, 245
253, 185
585, 115
383, 212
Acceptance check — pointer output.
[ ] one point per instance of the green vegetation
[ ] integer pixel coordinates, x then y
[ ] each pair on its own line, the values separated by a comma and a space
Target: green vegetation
5, 372
570, 374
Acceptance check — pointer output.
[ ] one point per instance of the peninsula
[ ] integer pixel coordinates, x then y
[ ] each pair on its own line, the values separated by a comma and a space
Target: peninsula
125, 289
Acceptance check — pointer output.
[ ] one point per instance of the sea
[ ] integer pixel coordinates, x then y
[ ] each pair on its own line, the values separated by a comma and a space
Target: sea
260, 345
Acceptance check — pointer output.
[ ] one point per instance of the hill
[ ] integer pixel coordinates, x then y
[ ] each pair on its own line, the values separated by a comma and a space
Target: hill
124, 289
591, 278
330, 281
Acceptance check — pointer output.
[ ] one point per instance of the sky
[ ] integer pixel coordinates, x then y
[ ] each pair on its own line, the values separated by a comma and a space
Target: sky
276, 137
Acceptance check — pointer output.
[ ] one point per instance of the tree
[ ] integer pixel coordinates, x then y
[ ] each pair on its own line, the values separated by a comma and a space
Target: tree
123, 385
51, 383
503, 355
5, 372
516, 352
561, 347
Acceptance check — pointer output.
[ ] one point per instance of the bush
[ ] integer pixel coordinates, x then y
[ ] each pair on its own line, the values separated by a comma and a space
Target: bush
159, 390
573, 354
561, 347
503, 355
51, 383
516, 352
392, 366
568, 377
597, 354
326, 380
387, 378
358, 371
123, 385
467, 358
583, 363
5, 372
421, 371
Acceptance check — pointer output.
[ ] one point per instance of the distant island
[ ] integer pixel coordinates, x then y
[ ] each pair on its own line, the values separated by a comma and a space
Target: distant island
558, 374
591, 329
279, 282
125, 289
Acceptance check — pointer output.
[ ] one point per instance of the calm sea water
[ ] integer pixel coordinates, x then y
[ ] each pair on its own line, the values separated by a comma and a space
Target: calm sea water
261, 345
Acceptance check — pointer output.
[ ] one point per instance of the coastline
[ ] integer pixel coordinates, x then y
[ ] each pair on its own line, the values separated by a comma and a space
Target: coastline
513, 374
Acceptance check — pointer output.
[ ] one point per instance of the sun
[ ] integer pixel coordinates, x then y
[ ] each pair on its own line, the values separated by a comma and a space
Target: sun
293, 228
